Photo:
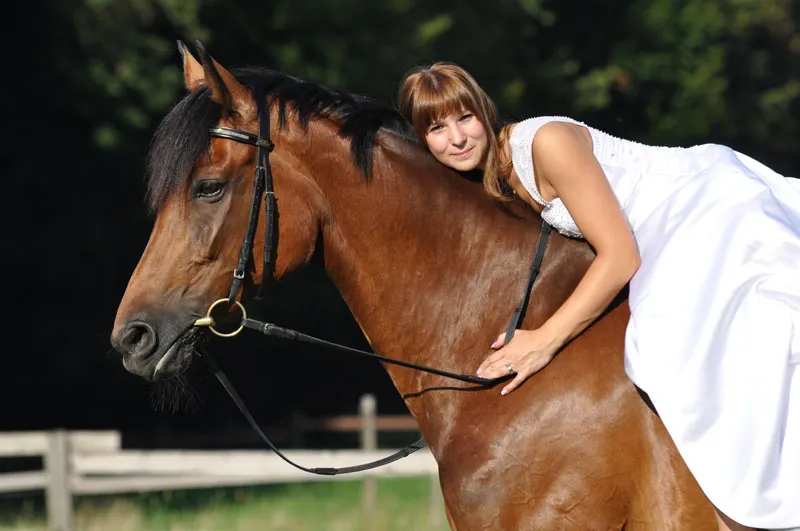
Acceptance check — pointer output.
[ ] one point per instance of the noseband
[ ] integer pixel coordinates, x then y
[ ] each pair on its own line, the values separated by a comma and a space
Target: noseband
262, 184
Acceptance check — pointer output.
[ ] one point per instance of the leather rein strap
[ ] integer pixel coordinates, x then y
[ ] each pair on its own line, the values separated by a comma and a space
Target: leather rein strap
263, 183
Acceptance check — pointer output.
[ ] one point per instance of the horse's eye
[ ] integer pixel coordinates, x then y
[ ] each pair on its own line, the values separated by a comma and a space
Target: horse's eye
208, 189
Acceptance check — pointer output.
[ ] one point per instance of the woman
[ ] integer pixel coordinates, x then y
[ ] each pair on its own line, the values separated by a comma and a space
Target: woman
708, 240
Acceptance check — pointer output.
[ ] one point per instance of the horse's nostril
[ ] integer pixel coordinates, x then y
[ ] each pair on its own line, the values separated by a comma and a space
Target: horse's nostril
133, 335
138, 339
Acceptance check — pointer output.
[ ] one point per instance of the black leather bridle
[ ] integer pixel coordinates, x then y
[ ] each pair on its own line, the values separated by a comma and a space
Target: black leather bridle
263, 184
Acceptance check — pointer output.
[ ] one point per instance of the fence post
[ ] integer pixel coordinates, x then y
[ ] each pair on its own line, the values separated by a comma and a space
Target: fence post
367, 410
58, 495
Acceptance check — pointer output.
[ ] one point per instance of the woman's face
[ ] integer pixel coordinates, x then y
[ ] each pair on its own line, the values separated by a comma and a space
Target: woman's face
459, 141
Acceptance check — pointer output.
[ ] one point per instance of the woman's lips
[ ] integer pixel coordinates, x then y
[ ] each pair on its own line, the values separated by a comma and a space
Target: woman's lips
463, 154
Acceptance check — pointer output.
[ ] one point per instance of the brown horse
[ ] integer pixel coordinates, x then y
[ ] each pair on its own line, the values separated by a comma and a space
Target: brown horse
431, 268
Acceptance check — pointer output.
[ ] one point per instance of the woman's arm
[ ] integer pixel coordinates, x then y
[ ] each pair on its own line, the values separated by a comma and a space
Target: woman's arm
566, 168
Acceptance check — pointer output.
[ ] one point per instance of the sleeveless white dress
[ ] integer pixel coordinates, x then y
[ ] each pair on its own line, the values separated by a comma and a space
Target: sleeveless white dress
714, 334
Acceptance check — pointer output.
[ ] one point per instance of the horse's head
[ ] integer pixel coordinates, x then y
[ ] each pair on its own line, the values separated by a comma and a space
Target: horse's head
201, 186
202, 170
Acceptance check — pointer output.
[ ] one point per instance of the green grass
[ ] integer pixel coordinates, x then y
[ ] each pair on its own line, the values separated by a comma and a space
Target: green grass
402, 504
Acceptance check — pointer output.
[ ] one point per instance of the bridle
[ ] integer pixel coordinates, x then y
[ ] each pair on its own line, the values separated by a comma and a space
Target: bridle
263, 184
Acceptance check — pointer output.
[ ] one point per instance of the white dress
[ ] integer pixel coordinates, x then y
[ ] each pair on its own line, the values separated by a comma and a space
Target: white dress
714, 334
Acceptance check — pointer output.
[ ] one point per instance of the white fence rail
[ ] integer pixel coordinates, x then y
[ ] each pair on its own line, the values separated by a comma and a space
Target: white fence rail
86, 463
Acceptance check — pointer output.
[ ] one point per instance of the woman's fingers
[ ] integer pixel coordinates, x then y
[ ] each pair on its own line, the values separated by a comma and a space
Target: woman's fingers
522, 356
516, 382
500, 341
491, 360
503, 351
530, 365
509, 362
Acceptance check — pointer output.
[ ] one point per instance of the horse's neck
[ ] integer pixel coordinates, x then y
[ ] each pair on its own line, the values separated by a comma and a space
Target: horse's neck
429, 266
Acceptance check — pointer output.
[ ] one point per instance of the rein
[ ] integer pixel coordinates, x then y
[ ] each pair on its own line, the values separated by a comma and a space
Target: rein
263, 183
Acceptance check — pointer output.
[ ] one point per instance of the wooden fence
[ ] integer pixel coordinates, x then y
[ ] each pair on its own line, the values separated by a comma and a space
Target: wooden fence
86, 463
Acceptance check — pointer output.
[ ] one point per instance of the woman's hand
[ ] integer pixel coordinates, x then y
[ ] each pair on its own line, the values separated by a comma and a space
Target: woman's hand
527, 352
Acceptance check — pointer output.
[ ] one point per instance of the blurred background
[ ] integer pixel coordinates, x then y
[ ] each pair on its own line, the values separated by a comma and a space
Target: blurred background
97, 76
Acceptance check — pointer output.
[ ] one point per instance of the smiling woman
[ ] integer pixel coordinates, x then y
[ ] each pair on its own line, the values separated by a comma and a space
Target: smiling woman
449, 114
458, 140
427, 279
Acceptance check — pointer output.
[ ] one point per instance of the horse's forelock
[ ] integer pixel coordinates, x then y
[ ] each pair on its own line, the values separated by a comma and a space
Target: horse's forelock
180, 140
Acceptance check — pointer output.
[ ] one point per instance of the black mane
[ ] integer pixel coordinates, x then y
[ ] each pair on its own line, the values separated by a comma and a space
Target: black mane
182, 136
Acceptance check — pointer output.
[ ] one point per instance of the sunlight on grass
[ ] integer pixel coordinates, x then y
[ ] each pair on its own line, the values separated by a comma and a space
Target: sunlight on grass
402, 504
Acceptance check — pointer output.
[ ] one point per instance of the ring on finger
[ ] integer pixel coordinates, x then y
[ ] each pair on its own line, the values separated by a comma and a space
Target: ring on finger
509, 368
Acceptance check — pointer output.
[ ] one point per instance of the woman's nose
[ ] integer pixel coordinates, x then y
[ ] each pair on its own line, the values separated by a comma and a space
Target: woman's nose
457, 136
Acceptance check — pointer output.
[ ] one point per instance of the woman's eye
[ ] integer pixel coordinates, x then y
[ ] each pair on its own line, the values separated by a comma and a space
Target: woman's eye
434, 128
208, 189
465, 117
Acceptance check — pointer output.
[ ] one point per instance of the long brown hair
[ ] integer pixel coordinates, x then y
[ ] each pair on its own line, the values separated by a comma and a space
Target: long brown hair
430, 93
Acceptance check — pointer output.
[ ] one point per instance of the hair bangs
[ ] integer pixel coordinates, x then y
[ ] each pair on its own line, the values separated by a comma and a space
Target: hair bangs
437, 99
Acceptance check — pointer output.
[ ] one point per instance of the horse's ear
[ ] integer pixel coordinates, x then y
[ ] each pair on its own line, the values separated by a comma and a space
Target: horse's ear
226, 90
193, 76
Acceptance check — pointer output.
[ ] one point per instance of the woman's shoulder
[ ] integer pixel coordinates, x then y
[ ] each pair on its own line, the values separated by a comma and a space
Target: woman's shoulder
522, 132
520, 143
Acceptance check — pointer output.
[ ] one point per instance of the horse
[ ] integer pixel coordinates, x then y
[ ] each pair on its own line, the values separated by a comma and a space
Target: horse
430, 267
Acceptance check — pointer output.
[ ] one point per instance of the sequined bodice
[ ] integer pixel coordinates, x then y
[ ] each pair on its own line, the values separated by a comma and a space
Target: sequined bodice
623, 161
